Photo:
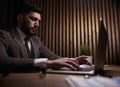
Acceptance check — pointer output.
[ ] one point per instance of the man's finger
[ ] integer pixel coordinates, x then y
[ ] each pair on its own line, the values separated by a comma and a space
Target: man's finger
74, 64
88, 63
69, 66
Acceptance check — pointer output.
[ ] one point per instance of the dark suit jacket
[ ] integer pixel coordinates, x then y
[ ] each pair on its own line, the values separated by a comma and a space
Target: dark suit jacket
13, 55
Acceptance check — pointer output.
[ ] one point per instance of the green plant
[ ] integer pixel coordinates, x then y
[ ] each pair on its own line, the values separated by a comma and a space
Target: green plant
85, 50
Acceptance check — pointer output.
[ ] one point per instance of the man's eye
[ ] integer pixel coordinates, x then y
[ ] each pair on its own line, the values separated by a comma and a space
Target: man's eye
33, 19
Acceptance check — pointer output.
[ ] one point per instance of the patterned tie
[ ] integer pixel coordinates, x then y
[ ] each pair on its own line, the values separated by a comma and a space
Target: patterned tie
29, 47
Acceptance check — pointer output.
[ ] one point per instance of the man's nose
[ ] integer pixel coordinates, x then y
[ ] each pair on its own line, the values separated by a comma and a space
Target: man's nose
36, 24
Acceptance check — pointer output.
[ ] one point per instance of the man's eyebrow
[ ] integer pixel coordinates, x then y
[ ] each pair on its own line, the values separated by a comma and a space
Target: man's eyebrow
33, 17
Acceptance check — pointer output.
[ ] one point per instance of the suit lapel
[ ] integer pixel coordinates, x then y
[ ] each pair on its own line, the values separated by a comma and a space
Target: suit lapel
18, 40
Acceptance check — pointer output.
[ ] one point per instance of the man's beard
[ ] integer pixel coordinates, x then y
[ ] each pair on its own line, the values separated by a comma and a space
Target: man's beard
27, 31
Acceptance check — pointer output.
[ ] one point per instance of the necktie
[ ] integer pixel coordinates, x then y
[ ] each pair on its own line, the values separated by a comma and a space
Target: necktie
29, 47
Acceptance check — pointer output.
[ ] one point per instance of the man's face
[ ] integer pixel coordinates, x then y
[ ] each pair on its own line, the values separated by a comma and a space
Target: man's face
30, 23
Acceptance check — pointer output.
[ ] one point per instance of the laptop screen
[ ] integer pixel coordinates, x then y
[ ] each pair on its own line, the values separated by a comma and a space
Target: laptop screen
101, 49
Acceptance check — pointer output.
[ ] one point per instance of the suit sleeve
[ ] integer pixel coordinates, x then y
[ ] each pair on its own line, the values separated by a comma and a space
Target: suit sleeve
47, 53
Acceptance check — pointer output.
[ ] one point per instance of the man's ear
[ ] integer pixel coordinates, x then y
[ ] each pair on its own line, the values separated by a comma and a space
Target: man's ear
19, 18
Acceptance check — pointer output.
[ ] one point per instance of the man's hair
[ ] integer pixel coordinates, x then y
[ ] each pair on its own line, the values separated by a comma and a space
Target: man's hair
29, 8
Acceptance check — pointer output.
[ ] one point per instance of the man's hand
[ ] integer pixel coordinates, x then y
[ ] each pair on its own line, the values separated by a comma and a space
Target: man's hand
72, 63
62, 62
82, 60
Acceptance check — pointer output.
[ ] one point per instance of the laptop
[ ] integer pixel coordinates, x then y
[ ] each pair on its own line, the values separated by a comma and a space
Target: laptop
98, 66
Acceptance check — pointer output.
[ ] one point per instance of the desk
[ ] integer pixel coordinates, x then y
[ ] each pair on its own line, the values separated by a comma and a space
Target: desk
51, 80
33, 80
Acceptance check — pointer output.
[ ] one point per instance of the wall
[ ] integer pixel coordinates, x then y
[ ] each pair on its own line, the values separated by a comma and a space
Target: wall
8, 11
67, 24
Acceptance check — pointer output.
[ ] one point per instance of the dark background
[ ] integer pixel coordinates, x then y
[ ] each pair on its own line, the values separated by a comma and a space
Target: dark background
68, 24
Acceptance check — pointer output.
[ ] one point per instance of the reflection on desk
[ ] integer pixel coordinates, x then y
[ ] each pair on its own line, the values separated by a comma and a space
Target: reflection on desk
94, 81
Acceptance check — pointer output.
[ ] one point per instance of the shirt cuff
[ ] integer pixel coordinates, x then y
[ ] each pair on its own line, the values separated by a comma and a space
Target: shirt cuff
41, 62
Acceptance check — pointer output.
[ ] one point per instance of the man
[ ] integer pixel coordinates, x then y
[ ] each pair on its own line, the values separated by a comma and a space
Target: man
22, 51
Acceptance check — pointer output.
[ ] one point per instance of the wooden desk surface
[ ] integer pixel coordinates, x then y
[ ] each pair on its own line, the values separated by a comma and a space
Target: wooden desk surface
51, 80
33, 80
